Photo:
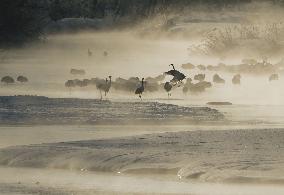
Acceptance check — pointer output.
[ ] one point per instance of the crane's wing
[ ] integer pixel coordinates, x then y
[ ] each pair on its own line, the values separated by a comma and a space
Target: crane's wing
171, 72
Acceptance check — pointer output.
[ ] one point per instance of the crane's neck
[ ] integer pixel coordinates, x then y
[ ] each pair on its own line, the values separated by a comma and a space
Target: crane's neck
110, 81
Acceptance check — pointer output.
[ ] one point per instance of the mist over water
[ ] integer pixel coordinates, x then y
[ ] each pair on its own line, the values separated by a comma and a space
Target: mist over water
48, 65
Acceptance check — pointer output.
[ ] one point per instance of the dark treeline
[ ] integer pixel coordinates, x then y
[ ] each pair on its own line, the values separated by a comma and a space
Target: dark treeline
23, 20
135, 8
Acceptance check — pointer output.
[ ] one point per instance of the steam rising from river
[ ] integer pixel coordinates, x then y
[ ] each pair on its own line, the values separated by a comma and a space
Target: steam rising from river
48, 64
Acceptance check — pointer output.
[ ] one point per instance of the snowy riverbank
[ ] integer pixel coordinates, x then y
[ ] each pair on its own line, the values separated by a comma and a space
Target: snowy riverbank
250, 156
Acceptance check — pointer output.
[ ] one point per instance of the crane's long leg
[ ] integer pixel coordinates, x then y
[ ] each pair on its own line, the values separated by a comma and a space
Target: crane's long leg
101, 95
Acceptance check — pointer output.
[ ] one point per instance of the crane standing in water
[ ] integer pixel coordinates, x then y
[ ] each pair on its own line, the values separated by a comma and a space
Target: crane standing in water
108, 85
90, 53
102, 85
140, 89
168, 87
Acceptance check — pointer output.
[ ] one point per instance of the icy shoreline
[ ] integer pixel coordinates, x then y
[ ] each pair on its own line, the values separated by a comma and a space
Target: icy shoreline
59, 182
234, 156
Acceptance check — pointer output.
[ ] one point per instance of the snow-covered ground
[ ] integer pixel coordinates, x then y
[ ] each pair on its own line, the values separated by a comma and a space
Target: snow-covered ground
197, 162
225, 155
18, 181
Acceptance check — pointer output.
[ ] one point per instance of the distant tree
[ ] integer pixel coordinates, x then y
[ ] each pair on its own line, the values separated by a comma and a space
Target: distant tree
22, 79
7, 80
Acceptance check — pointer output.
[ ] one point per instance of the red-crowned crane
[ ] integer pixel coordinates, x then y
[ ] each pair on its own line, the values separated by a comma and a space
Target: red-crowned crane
177, 75
168, 87
140, 89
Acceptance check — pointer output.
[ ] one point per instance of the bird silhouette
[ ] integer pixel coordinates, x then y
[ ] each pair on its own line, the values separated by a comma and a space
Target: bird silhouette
168, 88
90, 53
69, 84
140, 89
172, 72
102, 85
177, 75
108, 85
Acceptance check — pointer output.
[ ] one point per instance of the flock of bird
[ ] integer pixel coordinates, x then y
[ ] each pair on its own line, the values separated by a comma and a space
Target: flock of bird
10, 80
130, 85
104, 85
152, 84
